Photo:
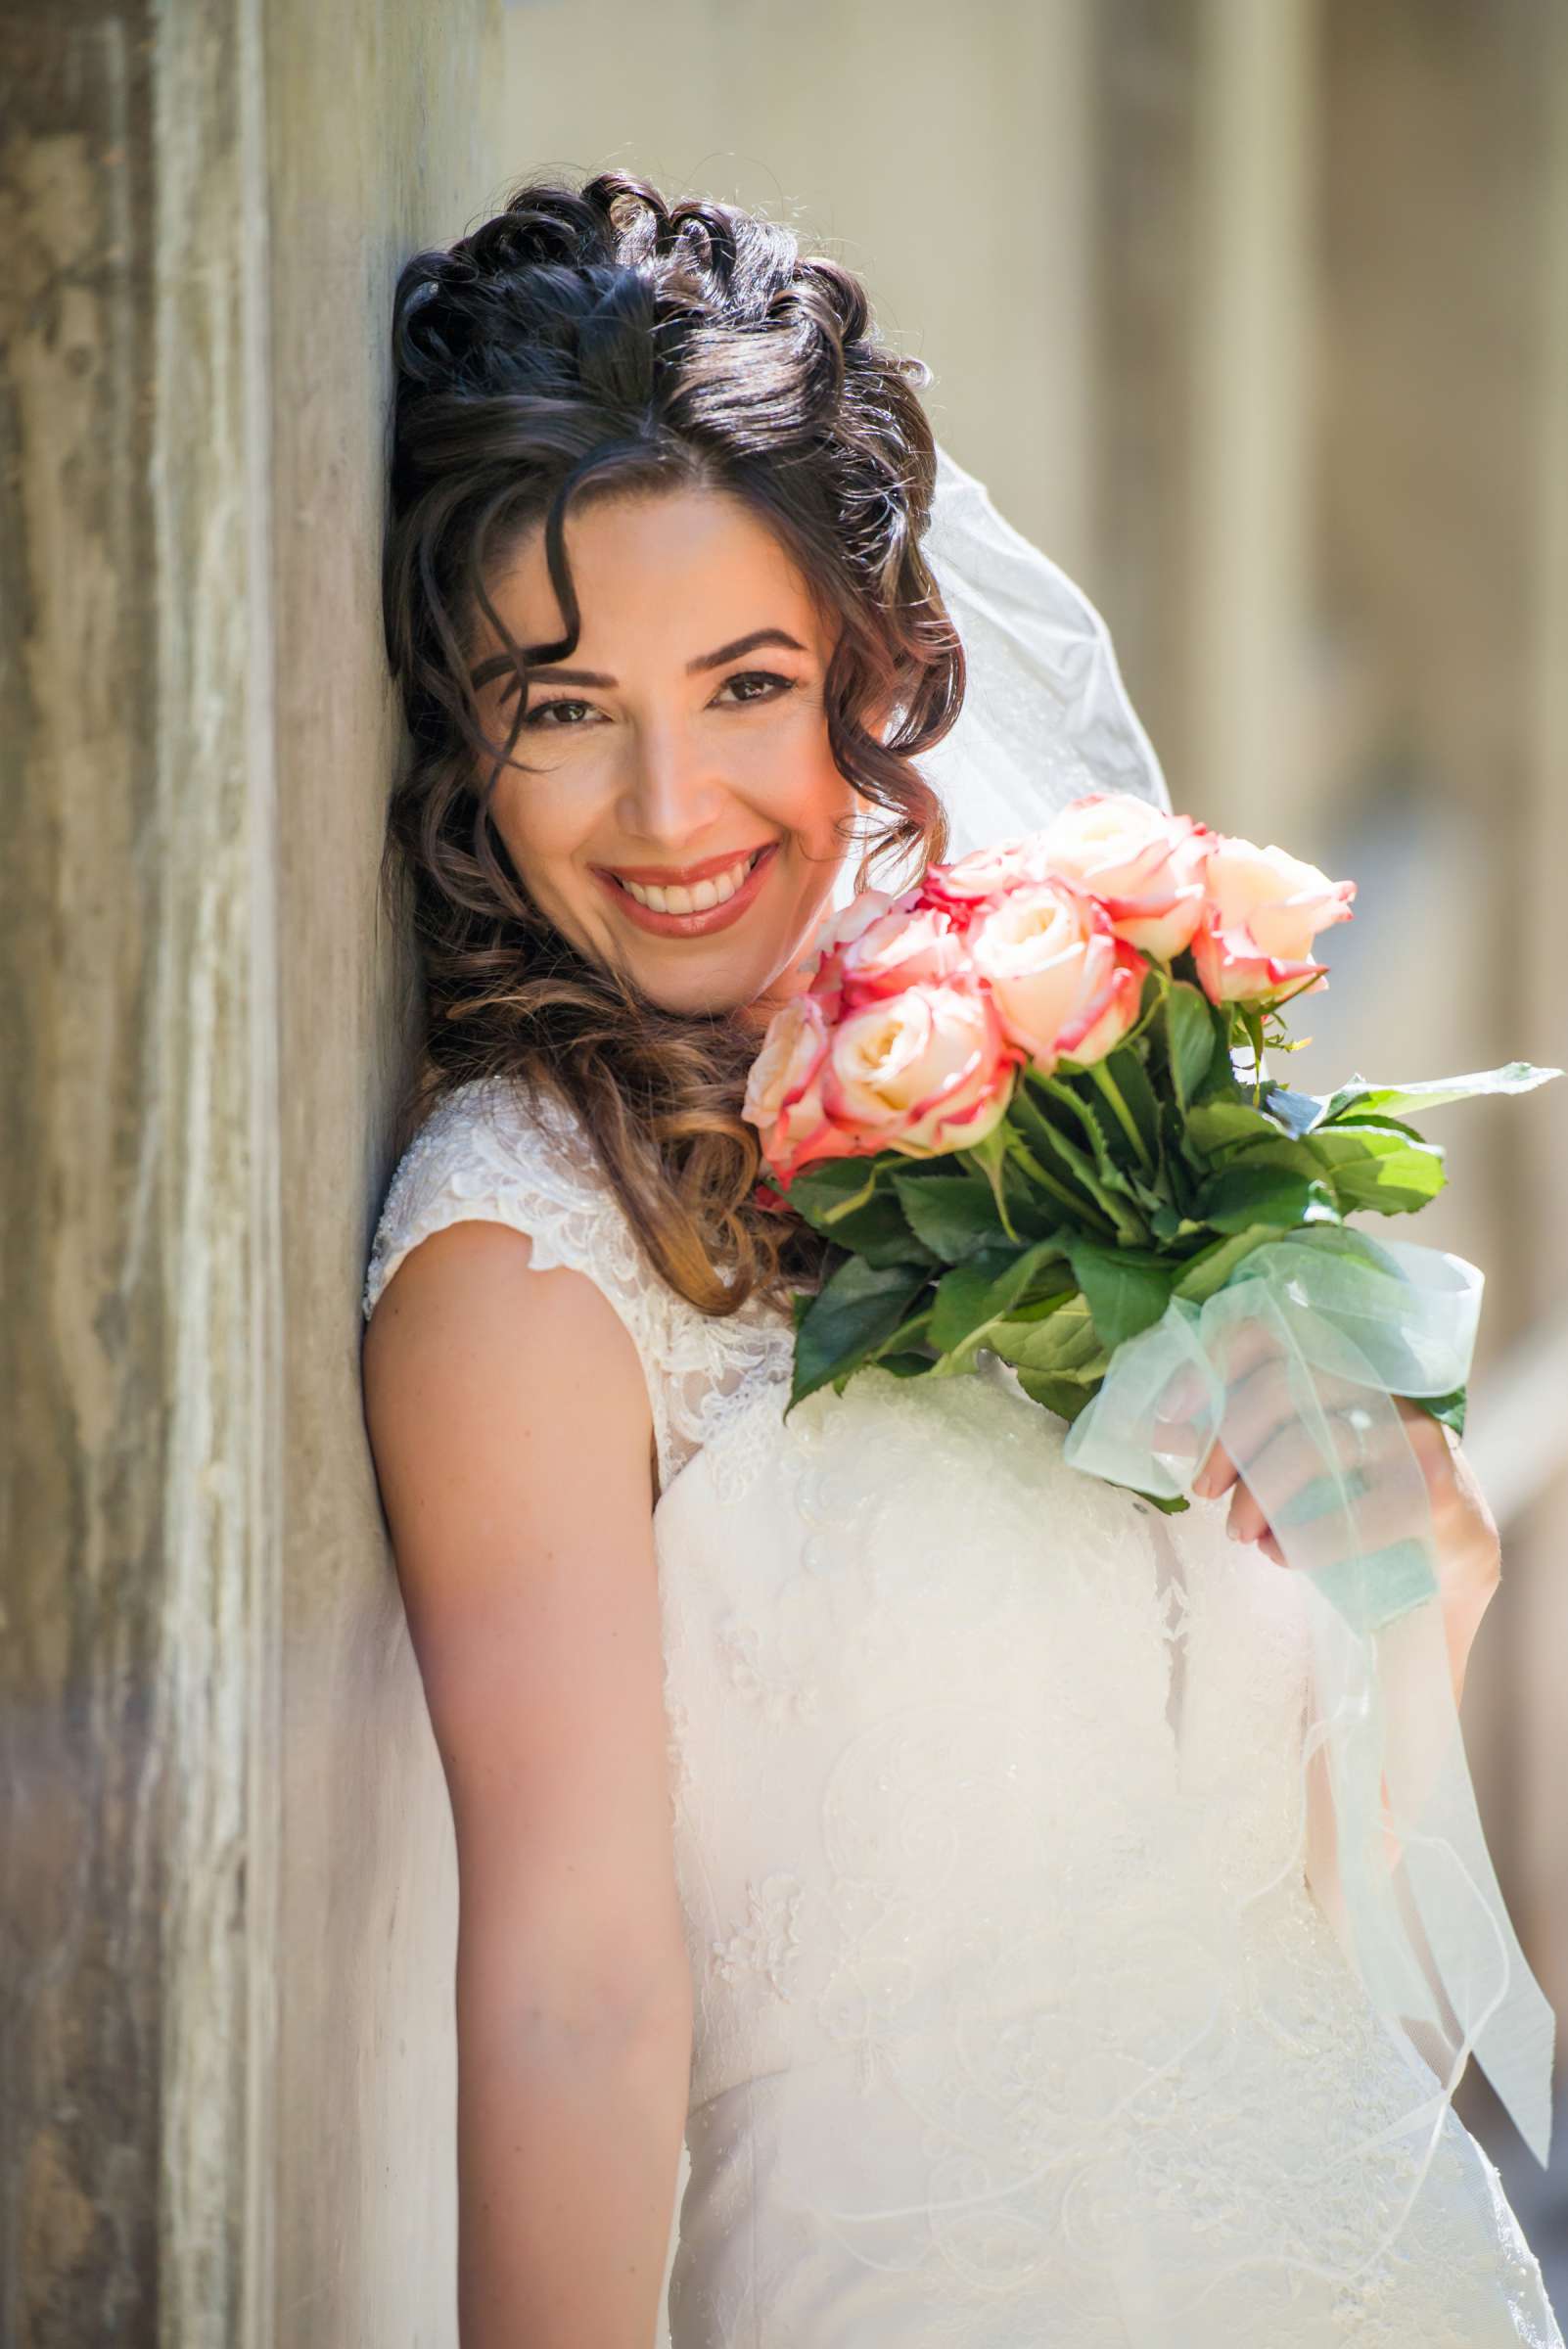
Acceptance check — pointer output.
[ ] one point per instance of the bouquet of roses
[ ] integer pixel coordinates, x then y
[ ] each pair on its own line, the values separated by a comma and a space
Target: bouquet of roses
1026, 1101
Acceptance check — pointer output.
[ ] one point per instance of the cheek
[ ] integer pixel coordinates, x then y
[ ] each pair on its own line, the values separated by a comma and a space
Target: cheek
543, 826
818, 799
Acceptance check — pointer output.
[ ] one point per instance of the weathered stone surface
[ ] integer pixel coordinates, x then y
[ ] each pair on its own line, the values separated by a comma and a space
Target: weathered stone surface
226, 1888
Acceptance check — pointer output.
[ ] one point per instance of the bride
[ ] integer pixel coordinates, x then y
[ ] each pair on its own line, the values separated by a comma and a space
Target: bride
909, 1823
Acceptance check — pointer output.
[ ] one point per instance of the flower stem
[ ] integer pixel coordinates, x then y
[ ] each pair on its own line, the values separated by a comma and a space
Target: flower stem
1113, 1093
1082, 1208
991, 1156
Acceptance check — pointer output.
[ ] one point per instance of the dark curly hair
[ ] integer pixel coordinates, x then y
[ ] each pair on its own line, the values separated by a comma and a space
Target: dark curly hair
582, 343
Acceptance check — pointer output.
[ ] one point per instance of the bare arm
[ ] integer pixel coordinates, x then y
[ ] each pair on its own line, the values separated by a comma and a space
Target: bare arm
509, 1420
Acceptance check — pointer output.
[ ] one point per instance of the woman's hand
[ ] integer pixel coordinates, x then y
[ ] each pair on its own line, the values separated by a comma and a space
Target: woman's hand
1259, 1412
1464, 1532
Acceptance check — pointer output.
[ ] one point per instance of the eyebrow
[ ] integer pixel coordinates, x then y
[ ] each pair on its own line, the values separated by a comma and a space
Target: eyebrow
499, 663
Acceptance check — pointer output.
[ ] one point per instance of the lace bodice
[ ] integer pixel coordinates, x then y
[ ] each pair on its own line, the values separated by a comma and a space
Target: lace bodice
492, 1153
1016, 2022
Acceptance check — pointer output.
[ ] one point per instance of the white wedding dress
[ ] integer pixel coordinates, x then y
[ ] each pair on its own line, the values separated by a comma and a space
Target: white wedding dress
1017, 2022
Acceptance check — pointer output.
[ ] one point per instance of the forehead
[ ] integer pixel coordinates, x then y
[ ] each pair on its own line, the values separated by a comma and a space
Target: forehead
665, 567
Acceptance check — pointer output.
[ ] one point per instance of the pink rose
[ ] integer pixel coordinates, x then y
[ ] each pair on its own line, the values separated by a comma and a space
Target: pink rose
822, 970
899, 948
924, 1071
1064, 984
1261, 910
974, 880
1145, 867
784, 1091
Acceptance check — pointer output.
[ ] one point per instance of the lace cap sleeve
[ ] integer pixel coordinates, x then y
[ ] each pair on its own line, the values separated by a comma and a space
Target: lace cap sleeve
492, 1153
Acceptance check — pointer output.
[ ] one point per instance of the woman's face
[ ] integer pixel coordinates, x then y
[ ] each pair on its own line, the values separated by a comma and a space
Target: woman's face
679, 818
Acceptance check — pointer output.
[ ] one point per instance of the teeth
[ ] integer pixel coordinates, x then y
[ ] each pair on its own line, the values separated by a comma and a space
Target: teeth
699, 897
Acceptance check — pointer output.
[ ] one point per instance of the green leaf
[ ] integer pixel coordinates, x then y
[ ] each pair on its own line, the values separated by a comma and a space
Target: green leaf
827, 1192
1219, 1124
952, 1215
1068, 1166
1190, 1038
907, 1336
1066, 1396
1370, 1166
1061, 1339
1131, 1079
988, 1157
1202, 1274
1513, 1077
1450, 1409
879, 1230
858, 1311
974, 1295
1094, 1170
1238, 1196
1127, 1290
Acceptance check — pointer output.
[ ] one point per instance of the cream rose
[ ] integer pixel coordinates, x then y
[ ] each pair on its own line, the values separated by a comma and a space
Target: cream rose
822, 969
924, 1071
960, 888
1065, 986
899, 949
784, 1091
1262, 907
1144, 866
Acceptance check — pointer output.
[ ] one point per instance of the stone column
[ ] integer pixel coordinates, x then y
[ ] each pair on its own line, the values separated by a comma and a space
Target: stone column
225, 1875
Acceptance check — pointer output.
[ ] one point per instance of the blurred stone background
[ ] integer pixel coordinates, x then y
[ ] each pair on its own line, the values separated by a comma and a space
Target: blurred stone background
1254, 313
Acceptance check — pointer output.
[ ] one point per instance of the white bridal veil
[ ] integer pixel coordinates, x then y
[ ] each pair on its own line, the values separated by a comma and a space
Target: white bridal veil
1045, 715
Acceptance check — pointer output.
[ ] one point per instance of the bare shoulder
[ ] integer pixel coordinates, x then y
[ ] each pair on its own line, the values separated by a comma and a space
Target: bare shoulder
510, 1424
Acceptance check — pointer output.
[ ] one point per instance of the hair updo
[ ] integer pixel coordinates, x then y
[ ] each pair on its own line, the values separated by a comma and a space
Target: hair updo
582, 343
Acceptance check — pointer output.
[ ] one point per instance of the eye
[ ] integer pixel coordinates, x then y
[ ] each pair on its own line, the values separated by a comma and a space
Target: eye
538, 710
762, 677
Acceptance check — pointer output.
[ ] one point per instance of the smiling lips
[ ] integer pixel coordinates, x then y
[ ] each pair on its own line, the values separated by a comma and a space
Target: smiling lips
708, 896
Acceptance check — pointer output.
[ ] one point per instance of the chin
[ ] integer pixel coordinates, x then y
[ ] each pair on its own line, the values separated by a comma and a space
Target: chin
697, 996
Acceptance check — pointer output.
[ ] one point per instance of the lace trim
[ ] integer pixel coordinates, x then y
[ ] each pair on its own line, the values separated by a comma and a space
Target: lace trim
491, 1152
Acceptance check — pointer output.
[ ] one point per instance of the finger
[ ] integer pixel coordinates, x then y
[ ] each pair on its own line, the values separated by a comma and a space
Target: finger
1217, 1474
1244, 1519
1321, 1512
1260, 1403
1247, 1343
1187, 1422
1305, 1472
1181, 1410
1257, 1408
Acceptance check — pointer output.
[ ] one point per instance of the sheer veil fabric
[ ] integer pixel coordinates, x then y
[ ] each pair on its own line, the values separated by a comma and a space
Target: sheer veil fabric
1046, 714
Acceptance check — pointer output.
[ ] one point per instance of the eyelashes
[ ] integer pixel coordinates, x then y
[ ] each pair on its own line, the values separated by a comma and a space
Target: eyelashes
538, 711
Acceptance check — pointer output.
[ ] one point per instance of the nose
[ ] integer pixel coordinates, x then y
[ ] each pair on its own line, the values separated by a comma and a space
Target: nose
668, 795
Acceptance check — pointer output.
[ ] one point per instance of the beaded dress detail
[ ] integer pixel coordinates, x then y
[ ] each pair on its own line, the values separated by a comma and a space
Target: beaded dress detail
1017, 2021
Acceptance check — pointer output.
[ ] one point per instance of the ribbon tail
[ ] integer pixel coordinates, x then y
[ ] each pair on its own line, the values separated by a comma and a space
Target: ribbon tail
1502, 2011
1350, 1322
